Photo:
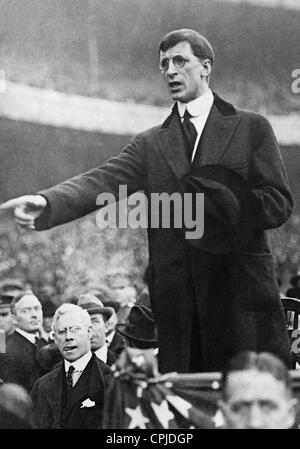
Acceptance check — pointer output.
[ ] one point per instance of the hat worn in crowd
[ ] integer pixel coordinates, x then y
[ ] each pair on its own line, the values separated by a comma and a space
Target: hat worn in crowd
140, 325
5, 300
93, 305
11, 285
49, 308
226, 207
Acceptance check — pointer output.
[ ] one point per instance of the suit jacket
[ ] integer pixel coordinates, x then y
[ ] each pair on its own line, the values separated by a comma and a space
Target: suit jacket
22, 361
111, 358
50, 412
117, 345
229, 301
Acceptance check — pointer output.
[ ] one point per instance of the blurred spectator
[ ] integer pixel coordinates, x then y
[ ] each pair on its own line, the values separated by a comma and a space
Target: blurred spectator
6, 318
101, 291
143, 298
124, 293
23, 346
17, 401
294, 292
257, 393
12, 286
99, 317
140, 329
123, 290
114, 340
9, 420
9, 288
48, 312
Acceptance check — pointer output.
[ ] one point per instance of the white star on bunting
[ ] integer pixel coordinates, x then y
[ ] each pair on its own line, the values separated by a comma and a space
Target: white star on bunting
163, 414
137, 418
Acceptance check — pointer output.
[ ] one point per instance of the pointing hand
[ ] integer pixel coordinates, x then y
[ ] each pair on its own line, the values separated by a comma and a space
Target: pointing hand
26, 209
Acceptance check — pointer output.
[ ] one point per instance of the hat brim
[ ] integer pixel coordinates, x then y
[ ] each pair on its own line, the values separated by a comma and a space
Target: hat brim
226, 207
122, 329
106, 311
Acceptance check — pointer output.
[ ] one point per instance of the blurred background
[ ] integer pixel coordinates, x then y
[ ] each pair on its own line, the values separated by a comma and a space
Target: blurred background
78, 78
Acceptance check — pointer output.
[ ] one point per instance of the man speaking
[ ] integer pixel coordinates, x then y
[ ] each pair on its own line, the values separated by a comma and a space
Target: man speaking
217, 295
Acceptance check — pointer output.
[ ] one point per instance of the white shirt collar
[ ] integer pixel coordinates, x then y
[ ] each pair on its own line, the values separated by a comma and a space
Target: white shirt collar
198, 106
101, 353
27, 335
109, 338
79, 364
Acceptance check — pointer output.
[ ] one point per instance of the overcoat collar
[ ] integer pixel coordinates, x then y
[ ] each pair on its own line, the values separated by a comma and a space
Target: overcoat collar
219, 128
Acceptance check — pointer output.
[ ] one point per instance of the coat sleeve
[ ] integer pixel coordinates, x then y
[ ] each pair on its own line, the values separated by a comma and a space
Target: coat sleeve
271, 199
77, 196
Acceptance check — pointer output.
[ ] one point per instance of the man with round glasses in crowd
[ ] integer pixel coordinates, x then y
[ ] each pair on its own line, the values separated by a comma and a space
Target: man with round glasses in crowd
219, 285
71, 396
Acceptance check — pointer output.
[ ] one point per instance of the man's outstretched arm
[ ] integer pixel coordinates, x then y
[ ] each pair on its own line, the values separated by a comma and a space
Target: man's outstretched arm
77, 196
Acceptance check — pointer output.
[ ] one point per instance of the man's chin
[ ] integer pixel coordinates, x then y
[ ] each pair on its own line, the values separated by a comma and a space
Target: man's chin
71, 356
33, 329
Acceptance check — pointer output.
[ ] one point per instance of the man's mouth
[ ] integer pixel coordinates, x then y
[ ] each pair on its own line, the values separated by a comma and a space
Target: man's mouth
174, 85
69, 348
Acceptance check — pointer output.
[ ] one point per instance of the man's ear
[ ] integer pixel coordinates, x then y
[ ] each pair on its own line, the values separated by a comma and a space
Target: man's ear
108, 326
90, 330
206, 67
292, 412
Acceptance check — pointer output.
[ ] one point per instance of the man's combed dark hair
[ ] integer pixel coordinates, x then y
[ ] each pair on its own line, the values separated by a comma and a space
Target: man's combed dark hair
199, 44
18, 297
261, 362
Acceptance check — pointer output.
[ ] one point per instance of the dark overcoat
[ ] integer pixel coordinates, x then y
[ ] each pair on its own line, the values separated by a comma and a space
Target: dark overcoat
230, 299
47, 396
23, 365
117, 345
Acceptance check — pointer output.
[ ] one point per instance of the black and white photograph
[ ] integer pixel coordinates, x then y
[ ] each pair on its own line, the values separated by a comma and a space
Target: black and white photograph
149, 217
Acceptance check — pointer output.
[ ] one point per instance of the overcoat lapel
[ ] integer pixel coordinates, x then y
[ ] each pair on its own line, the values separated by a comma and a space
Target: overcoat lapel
217, 133
172, 145
215, 137
55, 393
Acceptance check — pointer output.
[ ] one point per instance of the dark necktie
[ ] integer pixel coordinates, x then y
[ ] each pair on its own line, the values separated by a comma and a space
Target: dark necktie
190, 133
69, 378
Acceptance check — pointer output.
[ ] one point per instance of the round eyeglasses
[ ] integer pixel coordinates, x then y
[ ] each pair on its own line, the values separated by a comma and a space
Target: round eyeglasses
178, 61
72, 329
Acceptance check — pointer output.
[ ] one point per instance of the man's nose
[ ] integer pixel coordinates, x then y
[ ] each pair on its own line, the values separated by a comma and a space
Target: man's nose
256, 418
171, 68
69, 335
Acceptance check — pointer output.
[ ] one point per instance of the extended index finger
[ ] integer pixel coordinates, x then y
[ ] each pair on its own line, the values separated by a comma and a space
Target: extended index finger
10, 204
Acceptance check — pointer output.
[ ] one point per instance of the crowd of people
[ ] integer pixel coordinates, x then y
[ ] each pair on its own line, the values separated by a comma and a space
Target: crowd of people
57, 362
88, 333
